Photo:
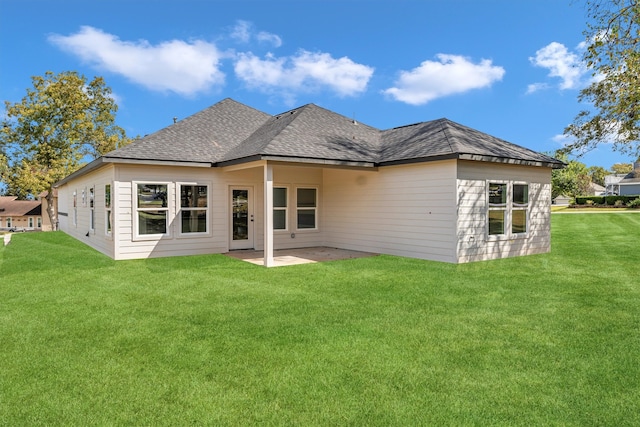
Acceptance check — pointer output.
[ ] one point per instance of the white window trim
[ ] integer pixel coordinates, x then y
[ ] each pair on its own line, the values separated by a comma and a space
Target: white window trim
39, 222
307, 187
9, 222
134, 212
527, 209
30, 222
108, 210
75, 208
285, 209
92, 209
508, 220
179, 209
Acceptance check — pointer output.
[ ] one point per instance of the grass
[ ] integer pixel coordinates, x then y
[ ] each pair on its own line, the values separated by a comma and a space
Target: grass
550, 339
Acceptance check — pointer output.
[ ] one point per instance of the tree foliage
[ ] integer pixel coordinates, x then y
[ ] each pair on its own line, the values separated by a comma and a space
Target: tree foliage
62, 120
597, 174
573, 180
621, 168
613, 55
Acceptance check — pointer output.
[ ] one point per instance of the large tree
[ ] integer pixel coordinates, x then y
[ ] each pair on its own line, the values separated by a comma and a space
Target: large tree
613, 55
572, 181
61, 122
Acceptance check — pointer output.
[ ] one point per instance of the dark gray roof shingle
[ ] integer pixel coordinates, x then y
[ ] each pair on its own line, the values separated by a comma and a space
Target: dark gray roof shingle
230, 132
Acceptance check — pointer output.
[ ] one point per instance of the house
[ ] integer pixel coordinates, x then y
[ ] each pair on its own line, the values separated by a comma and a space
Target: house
21, 215
231, 177
630, 184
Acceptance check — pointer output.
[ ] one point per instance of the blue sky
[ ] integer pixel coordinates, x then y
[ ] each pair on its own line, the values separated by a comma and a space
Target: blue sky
508, 68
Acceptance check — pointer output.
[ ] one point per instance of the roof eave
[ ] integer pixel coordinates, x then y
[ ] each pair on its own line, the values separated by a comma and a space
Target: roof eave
101, 161
477, 158
293, 159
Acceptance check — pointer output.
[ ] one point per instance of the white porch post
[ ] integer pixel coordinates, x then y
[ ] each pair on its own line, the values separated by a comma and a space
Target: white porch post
268, 215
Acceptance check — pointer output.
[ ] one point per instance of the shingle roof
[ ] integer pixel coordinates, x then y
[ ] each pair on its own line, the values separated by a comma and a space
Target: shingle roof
233, 132
11, 207
203, 137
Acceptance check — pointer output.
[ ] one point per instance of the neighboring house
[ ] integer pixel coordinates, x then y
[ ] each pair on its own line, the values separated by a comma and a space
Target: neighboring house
232, 177
596, 189
562, 200
630, 184
20, 215
611, 184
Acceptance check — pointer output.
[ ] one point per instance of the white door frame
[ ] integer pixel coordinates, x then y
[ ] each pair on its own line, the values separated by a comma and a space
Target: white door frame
240, 238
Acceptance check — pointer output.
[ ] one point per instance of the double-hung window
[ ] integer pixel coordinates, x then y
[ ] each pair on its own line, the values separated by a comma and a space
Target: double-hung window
92, 225
107, 209
151, 209
307, 208
194, 208
75, 208
508, 209
497, 208
280, 208
520, 209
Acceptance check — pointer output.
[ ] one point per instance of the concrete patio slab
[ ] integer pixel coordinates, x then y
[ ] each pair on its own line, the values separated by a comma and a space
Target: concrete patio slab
283, 257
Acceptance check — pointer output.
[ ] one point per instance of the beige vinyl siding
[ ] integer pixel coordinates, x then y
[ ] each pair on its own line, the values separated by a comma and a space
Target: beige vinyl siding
406, 210
130, 247
96, 238
473, 244
293, 178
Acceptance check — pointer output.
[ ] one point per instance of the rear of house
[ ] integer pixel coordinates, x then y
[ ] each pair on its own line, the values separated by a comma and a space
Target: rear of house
232, 178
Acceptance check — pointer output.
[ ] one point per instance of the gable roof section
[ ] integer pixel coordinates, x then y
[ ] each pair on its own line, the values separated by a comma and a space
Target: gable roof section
442, 139
203, 137
311, 132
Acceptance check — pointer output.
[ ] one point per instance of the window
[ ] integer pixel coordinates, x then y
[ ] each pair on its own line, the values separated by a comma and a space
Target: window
194, 208
75, 207
9, 222
306, 207
92, 224
107, 209
508, 208
39, 222
30, 221
497, 207
152, 209
520, 208
279, 208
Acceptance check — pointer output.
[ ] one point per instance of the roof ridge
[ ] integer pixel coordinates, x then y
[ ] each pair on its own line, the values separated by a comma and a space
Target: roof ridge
446, 134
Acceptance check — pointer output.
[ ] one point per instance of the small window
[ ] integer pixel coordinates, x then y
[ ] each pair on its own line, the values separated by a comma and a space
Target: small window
152, 209
519, 223
194, 208
92, 224
280, 208
9, 222
508, 209
107, 208
497, 207
30, 220
306, 206
75, 208
39, 221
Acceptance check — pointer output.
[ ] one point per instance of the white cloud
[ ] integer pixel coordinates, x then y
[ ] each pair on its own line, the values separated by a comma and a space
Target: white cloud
304, 72
561, 63
535, 87
243, 32
176, 66
450, 74
269, 38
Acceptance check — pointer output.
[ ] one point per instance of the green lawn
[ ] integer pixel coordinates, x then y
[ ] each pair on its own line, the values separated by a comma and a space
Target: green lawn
549, 339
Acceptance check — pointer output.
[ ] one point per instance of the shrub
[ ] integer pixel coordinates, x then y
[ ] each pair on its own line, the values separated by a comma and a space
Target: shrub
635, 203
